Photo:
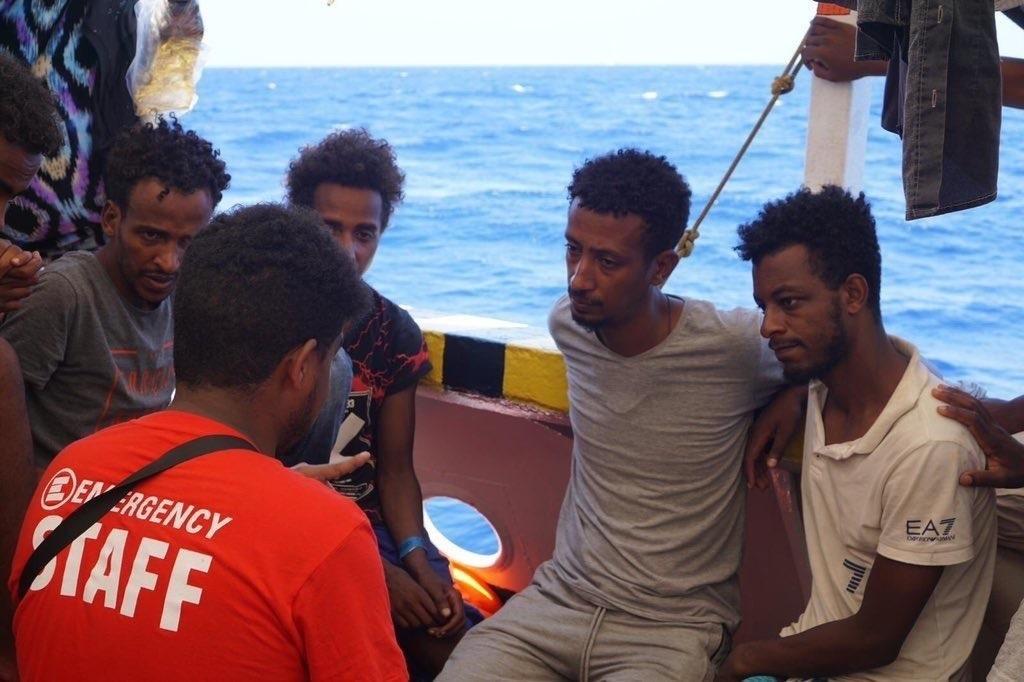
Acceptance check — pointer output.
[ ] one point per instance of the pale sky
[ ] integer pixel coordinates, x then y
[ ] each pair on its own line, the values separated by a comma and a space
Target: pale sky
519, 32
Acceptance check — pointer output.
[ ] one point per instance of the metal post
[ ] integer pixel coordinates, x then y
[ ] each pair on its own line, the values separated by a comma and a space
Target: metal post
837, 128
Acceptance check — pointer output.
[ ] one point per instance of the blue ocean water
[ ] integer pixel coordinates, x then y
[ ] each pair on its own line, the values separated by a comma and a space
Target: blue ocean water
463, 524
488, 153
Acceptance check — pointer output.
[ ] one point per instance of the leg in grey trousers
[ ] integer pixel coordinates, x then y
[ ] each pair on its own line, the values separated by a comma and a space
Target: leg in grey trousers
547, 632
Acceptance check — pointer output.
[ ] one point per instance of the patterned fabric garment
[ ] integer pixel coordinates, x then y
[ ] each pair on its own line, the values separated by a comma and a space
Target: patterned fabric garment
82, 50
388, 355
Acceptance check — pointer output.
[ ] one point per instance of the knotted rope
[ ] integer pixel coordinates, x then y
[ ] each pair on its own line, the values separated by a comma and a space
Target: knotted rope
780, 86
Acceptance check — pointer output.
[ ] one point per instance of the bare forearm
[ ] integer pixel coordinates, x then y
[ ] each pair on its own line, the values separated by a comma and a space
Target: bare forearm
894, 596
872, 67
19, 474
836, 648
401, 502
14, 499
1006, 414
1012, 76
400, 497
402, 509
1009, 414
1013, 82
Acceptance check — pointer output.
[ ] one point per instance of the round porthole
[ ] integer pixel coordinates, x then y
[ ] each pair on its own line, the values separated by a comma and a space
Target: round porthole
461, 532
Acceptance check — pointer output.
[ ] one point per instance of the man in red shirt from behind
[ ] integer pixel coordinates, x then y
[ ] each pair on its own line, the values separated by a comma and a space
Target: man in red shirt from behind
228, 566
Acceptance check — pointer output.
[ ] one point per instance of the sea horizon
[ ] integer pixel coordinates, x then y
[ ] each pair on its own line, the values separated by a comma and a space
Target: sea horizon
488, 151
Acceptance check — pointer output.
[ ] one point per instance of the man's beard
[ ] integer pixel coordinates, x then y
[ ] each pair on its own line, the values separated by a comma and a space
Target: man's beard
834, 351
592, 326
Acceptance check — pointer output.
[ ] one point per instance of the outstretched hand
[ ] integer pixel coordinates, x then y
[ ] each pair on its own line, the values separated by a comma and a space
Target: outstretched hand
771, 432
333, 470
1004, 455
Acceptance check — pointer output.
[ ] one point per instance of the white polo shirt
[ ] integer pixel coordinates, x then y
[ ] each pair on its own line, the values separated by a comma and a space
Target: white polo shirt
894, 492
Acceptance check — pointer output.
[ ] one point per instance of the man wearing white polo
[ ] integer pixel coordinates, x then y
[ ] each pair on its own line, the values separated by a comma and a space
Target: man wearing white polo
901, 554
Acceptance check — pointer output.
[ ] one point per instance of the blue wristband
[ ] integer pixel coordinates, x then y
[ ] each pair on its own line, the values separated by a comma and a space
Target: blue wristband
410, 545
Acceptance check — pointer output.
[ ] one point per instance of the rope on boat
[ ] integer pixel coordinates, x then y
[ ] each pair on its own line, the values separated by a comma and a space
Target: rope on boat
780, 86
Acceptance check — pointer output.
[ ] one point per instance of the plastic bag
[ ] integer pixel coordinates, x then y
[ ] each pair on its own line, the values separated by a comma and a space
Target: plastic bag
168, 57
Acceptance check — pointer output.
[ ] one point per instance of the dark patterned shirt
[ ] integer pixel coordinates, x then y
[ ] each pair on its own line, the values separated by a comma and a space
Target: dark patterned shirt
388, 355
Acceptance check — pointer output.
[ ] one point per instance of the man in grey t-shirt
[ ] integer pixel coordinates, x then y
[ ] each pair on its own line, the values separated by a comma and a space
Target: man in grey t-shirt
95, 338
662, 390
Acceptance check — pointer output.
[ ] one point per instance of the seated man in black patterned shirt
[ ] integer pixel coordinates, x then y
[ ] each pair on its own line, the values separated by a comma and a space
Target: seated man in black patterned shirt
352, 180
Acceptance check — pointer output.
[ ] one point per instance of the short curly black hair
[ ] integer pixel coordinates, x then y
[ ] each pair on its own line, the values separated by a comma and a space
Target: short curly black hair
836, 228
28, 110
163, 150
640, 183
351, 158
254, 285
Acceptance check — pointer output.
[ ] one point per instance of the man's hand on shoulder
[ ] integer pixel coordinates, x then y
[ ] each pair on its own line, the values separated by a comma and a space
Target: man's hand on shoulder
771, 432
19, 272
1004, 454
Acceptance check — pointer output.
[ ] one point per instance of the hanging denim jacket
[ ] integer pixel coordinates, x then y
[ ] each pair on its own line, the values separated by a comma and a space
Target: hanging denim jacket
942, 96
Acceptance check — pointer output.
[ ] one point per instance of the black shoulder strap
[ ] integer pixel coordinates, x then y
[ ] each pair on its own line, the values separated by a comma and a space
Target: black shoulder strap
80, 520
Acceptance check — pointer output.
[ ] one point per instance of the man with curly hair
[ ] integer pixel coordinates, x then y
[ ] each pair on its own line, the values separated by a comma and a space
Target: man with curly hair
29, 130
95, 338
225, 566
353, 181
662, 390
901, 554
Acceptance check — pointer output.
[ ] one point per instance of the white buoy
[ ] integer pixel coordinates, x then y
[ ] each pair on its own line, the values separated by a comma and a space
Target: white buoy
837, 128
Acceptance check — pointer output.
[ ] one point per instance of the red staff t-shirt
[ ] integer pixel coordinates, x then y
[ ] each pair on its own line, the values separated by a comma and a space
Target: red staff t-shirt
226, 567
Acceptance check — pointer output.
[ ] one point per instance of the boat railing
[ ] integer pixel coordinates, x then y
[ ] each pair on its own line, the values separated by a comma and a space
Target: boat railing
492, 432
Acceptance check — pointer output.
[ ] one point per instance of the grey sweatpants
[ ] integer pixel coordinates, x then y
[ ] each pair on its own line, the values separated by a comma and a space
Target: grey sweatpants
547, 632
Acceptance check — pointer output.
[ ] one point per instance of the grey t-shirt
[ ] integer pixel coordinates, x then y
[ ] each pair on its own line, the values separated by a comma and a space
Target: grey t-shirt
1009, 665
89, 358
652, 521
